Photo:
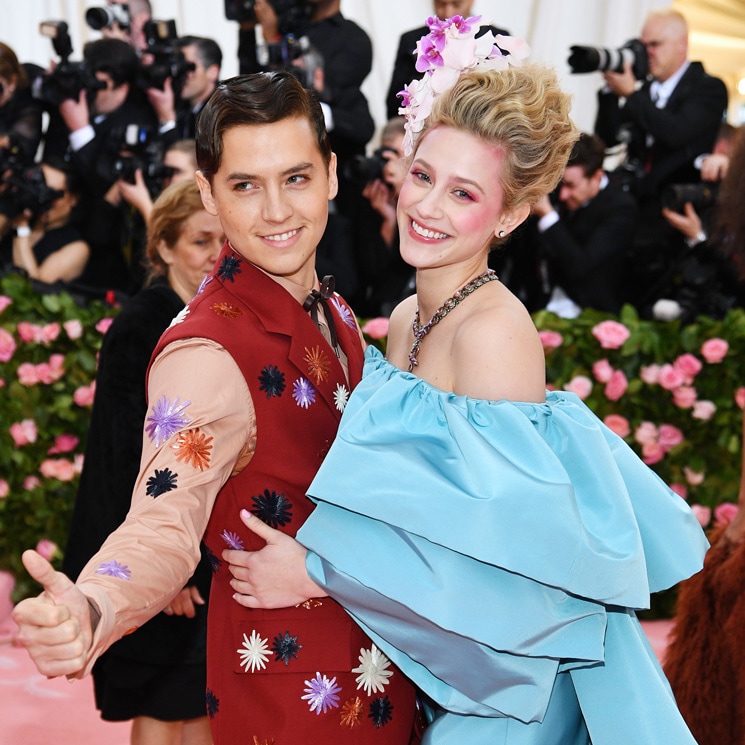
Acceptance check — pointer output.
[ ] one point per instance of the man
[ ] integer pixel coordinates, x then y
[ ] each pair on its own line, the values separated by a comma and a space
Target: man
404, 69
583, 241
245, 393
671, 119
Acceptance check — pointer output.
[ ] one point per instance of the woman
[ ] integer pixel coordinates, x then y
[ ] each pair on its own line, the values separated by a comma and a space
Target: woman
494, 540
155, 676
52, 248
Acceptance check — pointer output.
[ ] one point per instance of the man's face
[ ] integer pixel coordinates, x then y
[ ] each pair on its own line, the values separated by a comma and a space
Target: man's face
576, 188
199, 82
110, 98
450, 8
271, 194
666, 45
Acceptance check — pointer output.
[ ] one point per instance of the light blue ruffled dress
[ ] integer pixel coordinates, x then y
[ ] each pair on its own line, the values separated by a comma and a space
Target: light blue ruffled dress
496, 552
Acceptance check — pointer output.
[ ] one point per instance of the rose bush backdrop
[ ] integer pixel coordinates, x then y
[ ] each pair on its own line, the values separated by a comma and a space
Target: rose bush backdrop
675, 394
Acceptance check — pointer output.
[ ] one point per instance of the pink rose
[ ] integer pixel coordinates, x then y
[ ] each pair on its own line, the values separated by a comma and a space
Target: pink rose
550, 339
5, 301
680, 490
29, 332
652, 453
103, 325
376, 328
714, 350
65, 443
703, 410
602, 371
27, 374
581, 385
724, 513
24, 433
684, 397
50, 332
689, 365
650, 374
646, 433
616, 386
703, 514
73, 329
670, 378
694, 478
4, 485
7, 346
670, 436
83, 396
740, 397
46, 548
57, 468
611, 334
31, 482
618, 424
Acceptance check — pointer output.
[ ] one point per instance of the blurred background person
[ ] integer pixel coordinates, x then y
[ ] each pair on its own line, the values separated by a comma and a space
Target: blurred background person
155, 676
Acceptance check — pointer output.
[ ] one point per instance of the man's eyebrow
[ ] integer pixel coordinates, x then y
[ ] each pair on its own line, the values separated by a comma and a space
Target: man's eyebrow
242, 176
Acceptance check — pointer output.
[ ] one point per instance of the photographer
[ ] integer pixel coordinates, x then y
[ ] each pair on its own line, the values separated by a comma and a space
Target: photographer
124, 21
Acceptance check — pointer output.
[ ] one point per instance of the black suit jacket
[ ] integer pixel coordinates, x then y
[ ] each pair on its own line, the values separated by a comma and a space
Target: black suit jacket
586, 250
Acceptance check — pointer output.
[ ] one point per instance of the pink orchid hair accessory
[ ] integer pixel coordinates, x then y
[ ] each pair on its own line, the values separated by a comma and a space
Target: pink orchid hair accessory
449, 49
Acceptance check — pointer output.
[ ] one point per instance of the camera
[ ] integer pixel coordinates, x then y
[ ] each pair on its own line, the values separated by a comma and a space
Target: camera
701, 195
362, 169
168, 60
291, 14
67, 79
139, 148
592, 59
107, 15
296, 55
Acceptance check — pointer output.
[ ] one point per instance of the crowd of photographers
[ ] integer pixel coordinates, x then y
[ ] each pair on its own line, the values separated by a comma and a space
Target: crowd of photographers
647, 231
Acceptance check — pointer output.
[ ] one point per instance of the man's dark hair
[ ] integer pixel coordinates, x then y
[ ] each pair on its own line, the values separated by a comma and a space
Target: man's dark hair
259, 98
588, 153
114, 57
208, 50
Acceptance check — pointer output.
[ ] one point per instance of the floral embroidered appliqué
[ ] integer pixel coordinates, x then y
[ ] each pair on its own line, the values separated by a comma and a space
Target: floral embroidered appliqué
229, 267
213, 703
303, 392
161, 482
180, 317
346, 315
272, 381
226, 310
232, 539
274, 509
373, 670
215, 563
166, 419
285, 647
381, 711
114, 569
341, 396
321, 693
318, 364
310, 604
193, 448
352, 712
254, 652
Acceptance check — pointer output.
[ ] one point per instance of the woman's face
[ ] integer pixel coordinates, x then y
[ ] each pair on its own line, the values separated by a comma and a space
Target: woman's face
61, 208
194, 253
7, 88
450, 205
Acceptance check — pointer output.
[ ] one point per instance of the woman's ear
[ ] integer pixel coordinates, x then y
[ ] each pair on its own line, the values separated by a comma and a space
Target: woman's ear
511, 219
165, 252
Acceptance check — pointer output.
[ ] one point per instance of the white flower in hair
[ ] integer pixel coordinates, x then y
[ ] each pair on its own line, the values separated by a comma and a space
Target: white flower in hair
449, 49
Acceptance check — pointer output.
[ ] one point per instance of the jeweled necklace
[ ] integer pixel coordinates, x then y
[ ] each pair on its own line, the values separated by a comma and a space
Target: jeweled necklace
421, 331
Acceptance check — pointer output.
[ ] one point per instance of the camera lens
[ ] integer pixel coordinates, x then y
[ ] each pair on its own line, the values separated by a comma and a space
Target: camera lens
98, 18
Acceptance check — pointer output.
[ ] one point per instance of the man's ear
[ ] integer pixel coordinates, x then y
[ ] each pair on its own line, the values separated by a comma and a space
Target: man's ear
205, 191
333, 178
510, 220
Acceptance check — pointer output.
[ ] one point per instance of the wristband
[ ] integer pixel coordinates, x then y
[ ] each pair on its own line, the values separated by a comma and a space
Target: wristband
23, 231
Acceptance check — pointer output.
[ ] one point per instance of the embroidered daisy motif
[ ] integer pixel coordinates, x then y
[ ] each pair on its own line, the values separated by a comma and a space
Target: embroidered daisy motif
352, 712
303, 393
380, 711
310, 604
272, 381
346, 315
373, 670
285, 647
274, 509
229, 267
180, 317
215, 563
193, 448
161, 482
318, 364
254, 652
226, 310
213, 703
232, 539
341, 396
166, 419
322, 694
114, 569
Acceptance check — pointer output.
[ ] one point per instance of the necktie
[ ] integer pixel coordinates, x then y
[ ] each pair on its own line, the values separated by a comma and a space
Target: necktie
322, 296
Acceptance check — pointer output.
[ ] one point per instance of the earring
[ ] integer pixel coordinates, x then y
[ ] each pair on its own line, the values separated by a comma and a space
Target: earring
500, 234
